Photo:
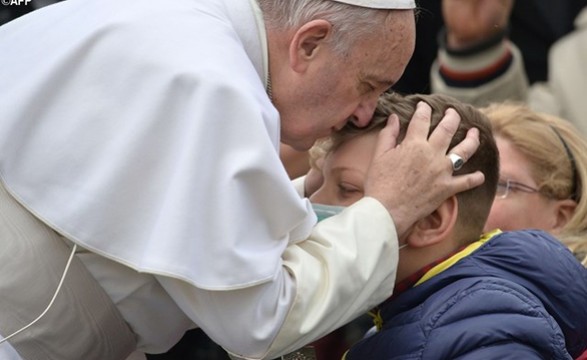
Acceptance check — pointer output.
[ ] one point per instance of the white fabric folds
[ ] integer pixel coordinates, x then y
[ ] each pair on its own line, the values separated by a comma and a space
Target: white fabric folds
141, 140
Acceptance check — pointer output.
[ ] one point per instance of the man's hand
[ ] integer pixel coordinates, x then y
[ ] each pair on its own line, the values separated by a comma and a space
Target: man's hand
413, 178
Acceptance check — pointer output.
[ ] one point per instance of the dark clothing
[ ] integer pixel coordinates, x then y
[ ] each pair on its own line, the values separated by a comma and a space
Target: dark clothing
521, 295
534, 26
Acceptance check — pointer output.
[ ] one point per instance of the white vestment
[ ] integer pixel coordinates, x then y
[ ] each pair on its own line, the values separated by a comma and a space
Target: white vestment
141, 130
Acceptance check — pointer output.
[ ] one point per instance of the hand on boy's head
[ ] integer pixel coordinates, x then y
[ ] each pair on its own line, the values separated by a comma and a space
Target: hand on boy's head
412, 179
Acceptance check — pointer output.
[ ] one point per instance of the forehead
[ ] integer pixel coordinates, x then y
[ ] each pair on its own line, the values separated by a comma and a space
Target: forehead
385, 54
512, 161
355, 152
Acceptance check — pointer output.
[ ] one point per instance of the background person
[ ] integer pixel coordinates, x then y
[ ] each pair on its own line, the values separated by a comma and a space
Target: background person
543, 164
479, 64
533, 26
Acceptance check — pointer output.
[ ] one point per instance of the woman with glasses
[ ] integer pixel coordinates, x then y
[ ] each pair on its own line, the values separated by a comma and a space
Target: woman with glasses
543, 167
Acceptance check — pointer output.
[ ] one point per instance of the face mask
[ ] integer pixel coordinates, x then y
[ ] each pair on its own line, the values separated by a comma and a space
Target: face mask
325, 211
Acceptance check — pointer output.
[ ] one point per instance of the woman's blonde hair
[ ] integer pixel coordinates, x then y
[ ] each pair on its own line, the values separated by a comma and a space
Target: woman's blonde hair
557, 153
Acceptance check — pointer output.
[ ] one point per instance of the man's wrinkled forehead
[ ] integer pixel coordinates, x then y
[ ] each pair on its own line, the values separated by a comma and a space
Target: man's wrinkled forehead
381, 4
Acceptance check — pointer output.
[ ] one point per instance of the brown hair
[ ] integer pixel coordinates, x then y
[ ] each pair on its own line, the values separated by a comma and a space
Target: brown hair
474, 204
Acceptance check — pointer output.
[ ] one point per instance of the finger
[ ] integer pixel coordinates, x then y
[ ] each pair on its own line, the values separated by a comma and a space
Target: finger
419, 125
460, 183
387, 138
456, 160
466, 148
442, 135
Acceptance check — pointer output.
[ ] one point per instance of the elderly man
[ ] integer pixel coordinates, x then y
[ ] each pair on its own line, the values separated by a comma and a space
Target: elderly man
141, 182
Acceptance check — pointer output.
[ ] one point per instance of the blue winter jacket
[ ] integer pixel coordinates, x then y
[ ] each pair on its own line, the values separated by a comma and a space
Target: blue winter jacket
521, 295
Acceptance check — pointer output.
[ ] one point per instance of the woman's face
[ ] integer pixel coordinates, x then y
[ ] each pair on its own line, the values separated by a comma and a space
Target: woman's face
519, 209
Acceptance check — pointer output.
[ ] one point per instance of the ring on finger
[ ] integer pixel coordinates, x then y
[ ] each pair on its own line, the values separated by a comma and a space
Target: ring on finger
457, 161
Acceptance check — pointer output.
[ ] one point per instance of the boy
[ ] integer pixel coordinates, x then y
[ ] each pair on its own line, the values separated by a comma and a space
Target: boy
516, 295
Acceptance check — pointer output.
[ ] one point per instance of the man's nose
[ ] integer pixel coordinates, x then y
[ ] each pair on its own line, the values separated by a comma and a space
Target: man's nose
362, 115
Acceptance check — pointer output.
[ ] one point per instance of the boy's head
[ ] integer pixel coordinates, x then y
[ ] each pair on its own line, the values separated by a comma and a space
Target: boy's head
345, 157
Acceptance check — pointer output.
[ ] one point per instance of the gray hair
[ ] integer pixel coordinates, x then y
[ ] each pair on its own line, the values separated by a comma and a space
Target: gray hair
350, 23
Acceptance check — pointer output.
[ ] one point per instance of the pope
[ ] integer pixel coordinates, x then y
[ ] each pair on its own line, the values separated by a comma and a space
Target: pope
142, 190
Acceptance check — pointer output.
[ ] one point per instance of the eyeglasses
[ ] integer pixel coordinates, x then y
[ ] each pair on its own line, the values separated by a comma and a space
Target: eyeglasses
504, 188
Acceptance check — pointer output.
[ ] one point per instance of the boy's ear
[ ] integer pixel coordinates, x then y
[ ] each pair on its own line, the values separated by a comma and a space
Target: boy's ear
436, 227
307, 42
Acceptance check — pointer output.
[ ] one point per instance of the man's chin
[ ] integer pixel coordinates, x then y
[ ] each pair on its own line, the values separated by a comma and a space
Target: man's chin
299, 144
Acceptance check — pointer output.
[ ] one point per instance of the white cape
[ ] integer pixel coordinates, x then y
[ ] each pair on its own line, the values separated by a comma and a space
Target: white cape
135, 136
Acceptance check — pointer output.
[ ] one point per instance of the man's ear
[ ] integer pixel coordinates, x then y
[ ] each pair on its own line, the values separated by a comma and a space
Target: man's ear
307, 42
436, 227
564, 211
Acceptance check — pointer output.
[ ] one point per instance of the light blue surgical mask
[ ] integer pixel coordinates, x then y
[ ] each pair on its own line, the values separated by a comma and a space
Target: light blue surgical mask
325, 211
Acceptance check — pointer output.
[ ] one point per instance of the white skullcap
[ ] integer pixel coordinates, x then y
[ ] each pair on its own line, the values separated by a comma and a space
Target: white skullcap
381, 4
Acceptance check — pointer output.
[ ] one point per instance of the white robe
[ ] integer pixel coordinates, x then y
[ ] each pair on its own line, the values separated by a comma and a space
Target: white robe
141, 130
